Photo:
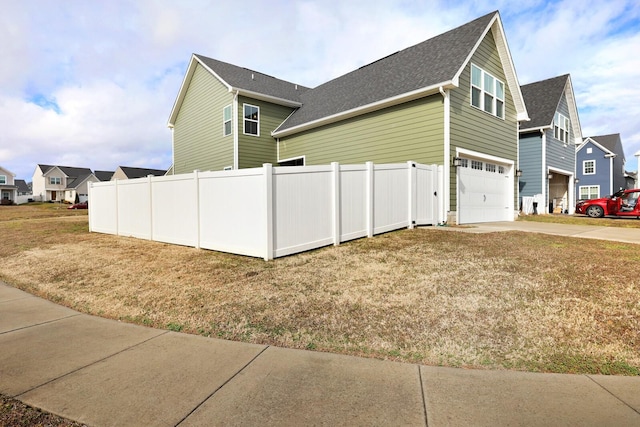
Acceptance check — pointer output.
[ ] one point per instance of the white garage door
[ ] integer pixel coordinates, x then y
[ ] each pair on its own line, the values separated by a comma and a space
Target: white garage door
483, 192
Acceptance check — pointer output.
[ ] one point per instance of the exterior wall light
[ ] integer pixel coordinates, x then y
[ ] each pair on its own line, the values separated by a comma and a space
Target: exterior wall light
457, 161
577, 180
518, 172
550, 176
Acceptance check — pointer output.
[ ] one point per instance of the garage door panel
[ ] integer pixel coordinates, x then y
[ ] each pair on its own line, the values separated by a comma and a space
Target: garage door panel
483, 196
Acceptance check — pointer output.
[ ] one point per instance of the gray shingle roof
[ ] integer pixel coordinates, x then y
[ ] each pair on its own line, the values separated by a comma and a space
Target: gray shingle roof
608, 141
254, 81
103, 175
132, 173
542, 99
22, 185
426, 64
74, 182
69, 171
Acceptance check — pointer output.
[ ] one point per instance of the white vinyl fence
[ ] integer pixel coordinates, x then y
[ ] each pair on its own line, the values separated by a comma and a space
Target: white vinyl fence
269, 212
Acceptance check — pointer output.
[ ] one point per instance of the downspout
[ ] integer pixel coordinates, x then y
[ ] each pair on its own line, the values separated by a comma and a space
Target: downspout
173, 149
447, 156
235, 131
543, 173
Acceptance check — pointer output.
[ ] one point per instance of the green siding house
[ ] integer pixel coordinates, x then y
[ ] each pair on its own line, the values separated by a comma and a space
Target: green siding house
453, 100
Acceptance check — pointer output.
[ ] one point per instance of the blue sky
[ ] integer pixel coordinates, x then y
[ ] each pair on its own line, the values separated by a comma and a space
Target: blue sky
92, 83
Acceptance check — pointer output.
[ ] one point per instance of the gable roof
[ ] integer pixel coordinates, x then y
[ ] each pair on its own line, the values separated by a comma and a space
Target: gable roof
609, 144
414, 72
69, 171
77, 181
543, 98
7, 171
22, 185
132, 173
103, 175
244, 81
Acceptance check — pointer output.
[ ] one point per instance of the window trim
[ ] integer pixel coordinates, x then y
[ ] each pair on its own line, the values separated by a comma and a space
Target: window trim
245, 120
3, 179
485, 93
58, 180
584, 167
559, 132
225, 120
597, 195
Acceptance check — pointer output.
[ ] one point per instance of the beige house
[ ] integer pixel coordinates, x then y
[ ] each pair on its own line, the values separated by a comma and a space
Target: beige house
61, 183
125, 172
8, 188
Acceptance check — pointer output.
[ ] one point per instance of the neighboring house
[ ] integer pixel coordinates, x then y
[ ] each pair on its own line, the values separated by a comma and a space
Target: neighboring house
23, 187
600, 164
51, 182
548, 144
8, 188
78, 189
124, 172
103, 175
453, 100
630, 179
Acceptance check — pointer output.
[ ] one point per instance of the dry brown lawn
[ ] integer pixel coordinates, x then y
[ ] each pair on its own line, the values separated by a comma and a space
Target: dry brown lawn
502, 300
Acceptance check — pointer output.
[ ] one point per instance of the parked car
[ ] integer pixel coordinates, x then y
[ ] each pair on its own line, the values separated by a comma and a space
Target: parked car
81, 205
622, 203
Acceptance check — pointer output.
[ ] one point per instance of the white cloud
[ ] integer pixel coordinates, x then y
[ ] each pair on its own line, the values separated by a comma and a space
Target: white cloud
114, 68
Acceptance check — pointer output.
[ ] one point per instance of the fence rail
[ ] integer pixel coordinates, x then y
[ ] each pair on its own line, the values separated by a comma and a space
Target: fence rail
269, 212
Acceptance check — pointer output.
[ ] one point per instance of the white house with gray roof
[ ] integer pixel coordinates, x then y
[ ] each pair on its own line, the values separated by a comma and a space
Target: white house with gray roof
61, 183
453, 100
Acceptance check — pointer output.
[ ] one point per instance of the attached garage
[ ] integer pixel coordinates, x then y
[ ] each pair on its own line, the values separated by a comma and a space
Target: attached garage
485, 191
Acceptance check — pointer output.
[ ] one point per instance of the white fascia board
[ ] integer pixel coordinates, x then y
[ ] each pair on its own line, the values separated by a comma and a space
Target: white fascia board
358, 111
193, 63
539, 129
479, 155
573, 110
507, 65
267, 98
597, 144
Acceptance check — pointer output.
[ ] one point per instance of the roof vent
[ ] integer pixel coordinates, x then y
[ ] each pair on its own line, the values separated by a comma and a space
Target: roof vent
296, 87
251, 76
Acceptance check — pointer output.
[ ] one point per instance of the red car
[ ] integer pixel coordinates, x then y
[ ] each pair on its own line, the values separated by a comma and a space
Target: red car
82, 205
622, 203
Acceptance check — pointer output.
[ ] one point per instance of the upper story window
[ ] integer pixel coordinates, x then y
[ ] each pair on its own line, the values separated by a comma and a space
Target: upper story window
3, 179
251, 120
226, 120
487, 92
589, 167
55, 180
561, 128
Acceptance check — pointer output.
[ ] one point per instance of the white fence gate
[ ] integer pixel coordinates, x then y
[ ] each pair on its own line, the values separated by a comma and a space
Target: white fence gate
269, 212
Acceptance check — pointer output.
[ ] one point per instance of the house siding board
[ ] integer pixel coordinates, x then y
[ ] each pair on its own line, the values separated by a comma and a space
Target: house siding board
530, 160
474, 129
410, 131
254, 151
197, 134
558, 154
603, 169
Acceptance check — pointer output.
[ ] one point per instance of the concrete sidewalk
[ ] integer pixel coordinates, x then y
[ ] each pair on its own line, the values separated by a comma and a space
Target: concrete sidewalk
618, 234
107, 373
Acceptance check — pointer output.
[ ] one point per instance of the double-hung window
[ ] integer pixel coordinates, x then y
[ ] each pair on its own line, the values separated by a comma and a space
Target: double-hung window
251, 119
3, 179
55, 180
589, 167
487, 92
226, 120
561, 128
588, 192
